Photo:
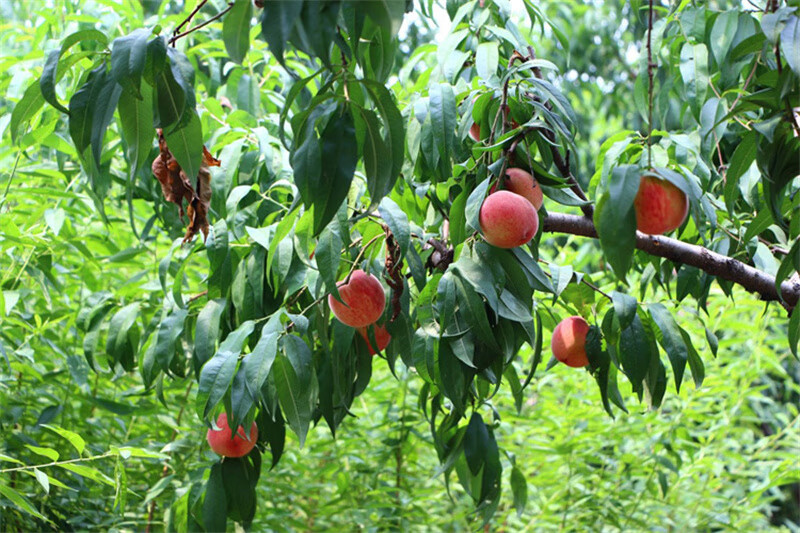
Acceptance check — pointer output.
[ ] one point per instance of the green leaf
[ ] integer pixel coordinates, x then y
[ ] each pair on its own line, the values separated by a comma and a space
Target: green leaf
695, 362
327, 256
217, 374
277, 21
740, 162
394, 129
50, 73
615, 219
624, 308
599, 362
206, 332
722, 35
119, 346
240, 477
397, 221
215, 503
81, 109
45, 452
694, 70
790, 44
519, 490
136, 121
186, 145
155, 60
236, 29
486, 59
671, 340
475, 314
325, 186
31, 101
103, 105
634, 352
794, 331
76, 440
169, 331
472, 210
377, 163
47, 83
293, 379
259, 362
443, 119
476, 443
128, 57
21, 502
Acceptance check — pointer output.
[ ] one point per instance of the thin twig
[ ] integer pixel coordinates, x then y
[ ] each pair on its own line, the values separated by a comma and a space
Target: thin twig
57, 463
190, 17
202, 24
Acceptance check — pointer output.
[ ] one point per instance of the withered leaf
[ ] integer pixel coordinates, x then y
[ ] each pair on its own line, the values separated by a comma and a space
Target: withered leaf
177, 187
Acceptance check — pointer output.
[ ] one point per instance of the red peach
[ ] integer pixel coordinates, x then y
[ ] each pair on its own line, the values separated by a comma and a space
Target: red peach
475, 131
508, 220
660, 206
520, 182
382, 338
222, 443
363, 300
568, 343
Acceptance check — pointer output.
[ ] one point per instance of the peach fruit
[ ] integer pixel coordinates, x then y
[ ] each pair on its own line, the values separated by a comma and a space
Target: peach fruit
508, 220
222, 443
660, 206
568, 343
363, 300
521, 182
382, 338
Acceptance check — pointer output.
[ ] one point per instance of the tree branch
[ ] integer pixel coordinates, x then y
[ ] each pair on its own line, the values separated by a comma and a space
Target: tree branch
201, 25
713, 263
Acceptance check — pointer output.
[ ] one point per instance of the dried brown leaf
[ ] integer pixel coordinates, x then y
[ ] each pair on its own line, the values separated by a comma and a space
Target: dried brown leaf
177, 187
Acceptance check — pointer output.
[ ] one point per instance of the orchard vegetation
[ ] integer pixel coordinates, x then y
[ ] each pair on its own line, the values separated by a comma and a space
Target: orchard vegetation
391, 264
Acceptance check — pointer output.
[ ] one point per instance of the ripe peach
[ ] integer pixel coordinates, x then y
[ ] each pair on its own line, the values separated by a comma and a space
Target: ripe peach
520, 182
569, 341
660, 206
363, 300
382, 338
508, 220
222, 443
475, 131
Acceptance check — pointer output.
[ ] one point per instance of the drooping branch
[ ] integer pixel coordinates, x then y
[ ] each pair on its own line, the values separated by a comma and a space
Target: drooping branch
718, 265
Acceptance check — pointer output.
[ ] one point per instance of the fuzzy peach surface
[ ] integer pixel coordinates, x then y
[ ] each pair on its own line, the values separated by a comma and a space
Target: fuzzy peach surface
508, 220
660, 206
568, 343
363, 299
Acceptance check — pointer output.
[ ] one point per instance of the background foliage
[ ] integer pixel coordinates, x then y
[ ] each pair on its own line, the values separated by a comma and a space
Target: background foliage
125, 450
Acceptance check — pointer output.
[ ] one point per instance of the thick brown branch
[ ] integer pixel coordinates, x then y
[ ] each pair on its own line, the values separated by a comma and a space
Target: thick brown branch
713, 263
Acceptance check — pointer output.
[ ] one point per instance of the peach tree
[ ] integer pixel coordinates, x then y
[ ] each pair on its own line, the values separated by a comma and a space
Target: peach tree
340, 172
